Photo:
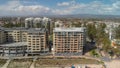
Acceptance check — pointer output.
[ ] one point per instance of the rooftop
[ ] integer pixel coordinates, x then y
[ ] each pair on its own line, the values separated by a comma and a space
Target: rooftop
36, 30
73, 29
14, 44
30, 30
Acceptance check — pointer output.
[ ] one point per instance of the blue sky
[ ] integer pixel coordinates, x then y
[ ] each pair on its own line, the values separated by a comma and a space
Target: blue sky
58, 7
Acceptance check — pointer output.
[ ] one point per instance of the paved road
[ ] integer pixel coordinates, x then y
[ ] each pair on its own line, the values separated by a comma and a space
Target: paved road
106, 59
113, 64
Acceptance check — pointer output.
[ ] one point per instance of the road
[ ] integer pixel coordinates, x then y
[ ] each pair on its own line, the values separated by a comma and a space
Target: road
113, 64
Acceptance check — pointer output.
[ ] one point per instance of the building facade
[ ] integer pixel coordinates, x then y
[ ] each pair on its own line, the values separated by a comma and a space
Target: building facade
35, 38
13, 49
37, 41
2, 36
68, 41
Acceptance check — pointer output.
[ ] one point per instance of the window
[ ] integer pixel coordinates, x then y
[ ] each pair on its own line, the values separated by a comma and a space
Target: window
33, 46
42, 48
70, 33
38, 44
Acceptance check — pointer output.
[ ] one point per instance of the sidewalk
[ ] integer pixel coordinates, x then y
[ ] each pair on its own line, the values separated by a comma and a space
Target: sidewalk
6, 64
33, 63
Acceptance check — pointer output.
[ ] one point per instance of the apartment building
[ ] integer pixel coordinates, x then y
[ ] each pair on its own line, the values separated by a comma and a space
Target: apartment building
13, 49
2, 36
68, 41
35, 38
16, 34
39, 22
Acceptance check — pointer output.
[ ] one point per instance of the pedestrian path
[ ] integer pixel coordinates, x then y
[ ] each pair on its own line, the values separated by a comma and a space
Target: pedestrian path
6, 64
33, 63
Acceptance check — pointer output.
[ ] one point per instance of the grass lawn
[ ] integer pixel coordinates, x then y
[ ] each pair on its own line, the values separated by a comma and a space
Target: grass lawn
20, 63
66, 62
2, 62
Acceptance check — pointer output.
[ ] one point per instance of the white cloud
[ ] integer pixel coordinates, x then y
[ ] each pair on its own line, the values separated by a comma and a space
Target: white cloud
63, 4
16, 7
62, 11
94, 7
116, 5
32, 8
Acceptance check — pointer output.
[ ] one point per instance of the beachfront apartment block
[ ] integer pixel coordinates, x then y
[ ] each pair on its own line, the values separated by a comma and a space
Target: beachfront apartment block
35, 39
69, 41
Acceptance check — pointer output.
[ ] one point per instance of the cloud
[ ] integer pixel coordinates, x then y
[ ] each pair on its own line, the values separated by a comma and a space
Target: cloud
62, 11
32, 9
16, 7
29, 2
116, 5
94, 7
63, 4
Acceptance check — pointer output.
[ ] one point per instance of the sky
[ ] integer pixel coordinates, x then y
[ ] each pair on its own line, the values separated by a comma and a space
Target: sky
58, 7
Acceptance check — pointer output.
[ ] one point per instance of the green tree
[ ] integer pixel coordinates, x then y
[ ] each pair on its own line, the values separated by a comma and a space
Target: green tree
8, 25
102, 38
117, 32
57, 25
76, 24
91, 31
38, 25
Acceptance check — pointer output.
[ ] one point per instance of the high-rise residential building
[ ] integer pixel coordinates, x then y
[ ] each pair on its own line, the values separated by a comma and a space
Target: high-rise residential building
68, 41
2, 36
29, 22
38, 23
15, 34
47, 23
35, 39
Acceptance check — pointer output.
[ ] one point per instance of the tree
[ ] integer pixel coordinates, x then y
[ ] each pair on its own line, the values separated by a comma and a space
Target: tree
38, 25
106, 44
8, 25
117, 32
57, 25
102, 38
76, 24
91, 31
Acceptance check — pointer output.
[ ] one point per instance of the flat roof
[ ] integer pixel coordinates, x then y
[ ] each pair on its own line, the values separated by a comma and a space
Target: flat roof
36, 30
29, 30
15, 28
73, 29
16, 44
